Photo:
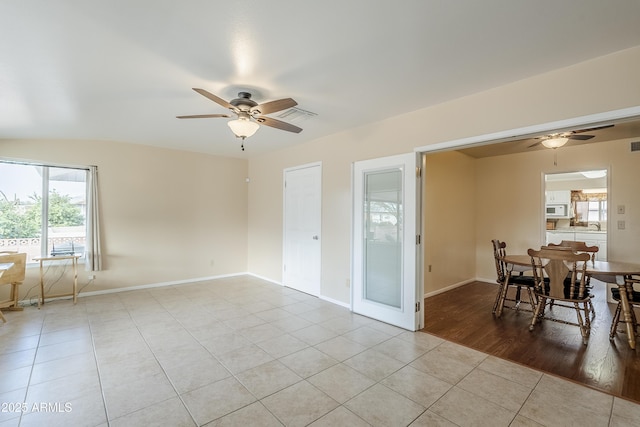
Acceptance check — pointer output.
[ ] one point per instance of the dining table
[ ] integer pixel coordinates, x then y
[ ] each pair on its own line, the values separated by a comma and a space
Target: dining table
606, 271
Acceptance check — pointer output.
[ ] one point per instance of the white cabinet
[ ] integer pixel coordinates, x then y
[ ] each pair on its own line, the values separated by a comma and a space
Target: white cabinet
595, 239
591, 239
558, 197
558, 236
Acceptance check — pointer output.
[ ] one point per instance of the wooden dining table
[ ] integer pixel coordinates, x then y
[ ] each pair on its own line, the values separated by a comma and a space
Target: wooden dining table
606, 271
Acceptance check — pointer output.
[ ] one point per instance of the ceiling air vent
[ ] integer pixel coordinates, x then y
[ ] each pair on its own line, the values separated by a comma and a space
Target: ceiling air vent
296, 114
635, 146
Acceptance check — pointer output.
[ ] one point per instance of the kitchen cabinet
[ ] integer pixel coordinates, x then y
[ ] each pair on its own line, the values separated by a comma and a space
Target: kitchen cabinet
598, 239
595, 239
558, 197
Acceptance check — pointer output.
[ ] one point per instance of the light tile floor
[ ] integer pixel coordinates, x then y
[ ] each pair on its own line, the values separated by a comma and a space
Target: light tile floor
242, 351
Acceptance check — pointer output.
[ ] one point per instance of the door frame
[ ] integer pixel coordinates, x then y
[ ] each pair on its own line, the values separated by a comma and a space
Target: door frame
316, 291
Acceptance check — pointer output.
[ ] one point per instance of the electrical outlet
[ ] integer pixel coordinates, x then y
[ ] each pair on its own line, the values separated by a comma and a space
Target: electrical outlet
621, 209
348, 283
92, 276
621, 225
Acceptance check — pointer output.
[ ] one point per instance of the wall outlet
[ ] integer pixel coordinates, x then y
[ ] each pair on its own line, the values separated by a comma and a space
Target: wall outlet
621, 225
621, 209
92, 276
348, 283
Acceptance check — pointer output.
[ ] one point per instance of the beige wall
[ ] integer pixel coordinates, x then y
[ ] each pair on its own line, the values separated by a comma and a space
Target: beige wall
449, 220
596, 86
166, 215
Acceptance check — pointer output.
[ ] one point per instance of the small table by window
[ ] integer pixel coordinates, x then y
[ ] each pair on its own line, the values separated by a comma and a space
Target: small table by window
74, 263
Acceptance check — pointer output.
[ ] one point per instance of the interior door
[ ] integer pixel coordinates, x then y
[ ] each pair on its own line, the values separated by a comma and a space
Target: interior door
384, 259
302, 219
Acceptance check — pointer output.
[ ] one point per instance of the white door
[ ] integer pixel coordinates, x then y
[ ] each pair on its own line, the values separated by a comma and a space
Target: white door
385, 199
302, 208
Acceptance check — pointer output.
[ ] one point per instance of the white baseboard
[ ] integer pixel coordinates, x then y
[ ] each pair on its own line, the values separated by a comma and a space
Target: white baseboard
335, 301
266, 279
158, 285
448, 288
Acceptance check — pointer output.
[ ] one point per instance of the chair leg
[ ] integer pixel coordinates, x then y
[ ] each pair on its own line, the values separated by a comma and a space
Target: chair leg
614, 322
518, 296
2, 317
533, 299
587, 316
542, 301
581, 323
498, 296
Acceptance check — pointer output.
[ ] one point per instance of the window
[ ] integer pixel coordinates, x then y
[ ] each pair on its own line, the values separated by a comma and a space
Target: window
43, 209
591, 210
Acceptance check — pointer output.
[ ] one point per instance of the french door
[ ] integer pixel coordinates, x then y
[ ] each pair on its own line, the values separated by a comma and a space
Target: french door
385, 241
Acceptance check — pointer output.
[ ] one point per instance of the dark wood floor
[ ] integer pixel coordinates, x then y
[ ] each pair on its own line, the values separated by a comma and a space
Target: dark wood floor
463, 315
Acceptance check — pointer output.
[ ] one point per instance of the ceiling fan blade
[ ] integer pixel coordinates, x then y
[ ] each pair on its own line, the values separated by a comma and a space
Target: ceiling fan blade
592, 129
214, 98
273, 106
202, 116
534, 144
581, 137
278, 124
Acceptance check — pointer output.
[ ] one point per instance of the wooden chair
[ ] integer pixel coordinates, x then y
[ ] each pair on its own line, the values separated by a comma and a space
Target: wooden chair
566, 271
578, 246
634, 301
517, 281
14, 277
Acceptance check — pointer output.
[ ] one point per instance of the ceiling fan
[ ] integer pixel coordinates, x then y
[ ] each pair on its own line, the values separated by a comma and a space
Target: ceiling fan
556, 140
250, 114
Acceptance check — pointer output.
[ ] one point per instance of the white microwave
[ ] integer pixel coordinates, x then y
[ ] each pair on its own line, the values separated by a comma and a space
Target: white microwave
558, 211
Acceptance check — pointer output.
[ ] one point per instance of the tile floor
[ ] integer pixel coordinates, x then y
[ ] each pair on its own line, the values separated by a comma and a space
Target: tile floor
242, 351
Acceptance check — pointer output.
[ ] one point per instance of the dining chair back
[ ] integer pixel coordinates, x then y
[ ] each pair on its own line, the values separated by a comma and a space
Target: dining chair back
566, 287
507, 279
578, 246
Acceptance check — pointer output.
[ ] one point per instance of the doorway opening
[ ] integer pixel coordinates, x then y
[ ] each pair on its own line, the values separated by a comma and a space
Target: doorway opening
576, 208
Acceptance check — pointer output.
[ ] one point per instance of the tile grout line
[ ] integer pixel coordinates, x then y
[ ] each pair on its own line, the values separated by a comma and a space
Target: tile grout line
95, 358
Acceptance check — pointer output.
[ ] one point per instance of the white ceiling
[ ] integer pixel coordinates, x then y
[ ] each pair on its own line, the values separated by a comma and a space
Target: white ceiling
123, 69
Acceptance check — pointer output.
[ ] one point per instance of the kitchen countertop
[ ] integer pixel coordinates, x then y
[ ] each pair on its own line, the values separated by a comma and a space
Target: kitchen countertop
577, 230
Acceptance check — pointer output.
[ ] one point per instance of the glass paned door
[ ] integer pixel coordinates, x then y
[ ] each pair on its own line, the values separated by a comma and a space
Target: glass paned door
384, 240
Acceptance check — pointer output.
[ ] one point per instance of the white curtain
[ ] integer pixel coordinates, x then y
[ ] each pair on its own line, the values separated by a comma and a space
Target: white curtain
92, 251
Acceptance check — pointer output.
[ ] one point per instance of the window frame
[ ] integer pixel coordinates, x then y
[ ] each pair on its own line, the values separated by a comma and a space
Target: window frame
45, 197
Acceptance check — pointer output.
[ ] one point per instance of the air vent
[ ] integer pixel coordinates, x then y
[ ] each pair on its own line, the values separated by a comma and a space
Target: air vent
296, 114
635, 146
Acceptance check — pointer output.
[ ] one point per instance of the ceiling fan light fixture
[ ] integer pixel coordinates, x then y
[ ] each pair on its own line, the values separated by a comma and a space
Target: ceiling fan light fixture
243, 127
556, 142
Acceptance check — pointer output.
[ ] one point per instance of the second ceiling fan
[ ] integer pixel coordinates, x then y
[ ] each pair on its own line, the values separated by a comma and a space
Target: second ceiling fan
556, 140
